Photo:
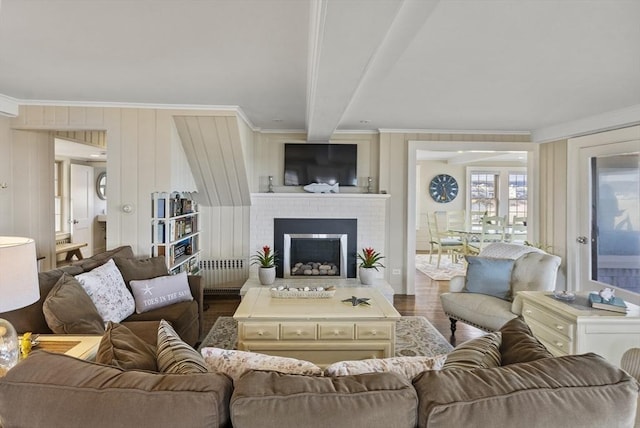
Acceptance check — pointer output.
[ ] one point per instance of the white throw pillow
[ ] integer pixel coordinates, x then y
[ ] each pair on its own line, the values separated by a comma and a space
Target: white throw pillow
161, 291
409, 367
235, 363
105, 286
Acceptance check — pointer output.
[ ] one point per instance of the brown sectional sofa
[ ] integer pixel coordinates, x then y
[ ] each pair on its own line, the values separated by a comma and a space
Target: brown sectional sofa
185, 317
530, 389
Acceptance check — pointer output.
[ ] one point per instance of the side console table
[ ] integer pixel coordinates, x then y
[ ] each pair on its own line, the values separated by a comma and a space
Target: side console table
576, 328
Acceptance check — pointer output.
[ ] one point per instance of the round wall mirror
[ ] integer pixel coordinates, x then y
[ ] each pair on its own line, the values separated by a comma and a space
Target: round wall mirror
101, 185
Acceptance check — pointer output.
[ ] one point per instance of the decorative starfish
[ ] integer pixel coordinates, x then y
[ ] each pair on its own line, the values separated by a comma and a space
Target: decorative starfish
355, 301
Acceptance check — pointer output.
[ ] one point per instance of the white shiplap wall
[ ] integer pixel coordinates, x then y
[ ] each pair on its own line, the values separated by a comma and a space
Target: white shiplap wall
143, 157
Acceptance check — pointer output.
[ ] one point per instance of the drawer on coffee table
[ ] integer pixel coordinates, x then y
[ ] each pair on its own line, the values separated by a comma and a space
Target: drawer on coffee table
298, 331
335, 331
370, 331
262, 331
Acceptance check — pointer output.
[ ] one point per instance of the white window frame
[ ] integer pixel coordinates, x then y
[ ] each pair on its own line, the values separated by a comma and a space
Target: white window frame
503, 185
576, 201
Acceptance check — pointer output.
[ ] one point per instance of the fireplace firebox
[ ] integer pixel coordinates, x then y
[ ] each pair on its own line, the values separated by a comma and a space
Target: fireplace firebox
312, 248
315, 254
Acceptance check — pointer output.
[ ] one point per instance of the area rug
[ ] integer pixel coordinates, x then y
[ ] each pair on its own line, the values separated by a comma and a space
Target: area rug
414, 336
445, 272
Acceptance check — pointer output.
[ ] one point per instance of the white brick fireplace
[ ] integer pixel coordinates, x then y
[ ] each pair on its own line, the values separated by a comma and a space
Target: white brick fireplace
370, 211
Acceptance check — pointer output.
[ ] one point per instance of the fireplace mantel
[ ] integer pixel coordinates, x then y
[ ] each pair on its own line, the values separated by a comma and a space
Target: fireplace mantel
321, 195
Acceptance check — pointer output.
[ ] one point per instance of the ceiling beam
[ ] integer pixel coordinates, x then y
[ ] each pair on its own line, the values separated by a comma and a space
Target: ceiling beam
8, 106
340, 58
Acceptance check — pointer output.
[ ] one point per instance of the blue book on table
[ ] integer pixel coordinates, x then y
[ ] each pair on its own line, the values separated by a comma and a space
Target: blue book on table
616, 304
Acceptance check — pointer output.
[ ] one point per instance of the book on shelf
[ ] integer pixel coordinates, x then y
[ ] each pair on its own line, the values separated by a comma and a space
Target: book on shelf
161, 230
616, 304
160, 212
187, 206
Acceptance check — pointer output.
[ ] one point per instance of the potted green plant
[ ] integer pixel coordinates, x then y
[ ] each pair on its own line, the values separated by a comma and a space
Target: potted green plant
266, 259
369, 261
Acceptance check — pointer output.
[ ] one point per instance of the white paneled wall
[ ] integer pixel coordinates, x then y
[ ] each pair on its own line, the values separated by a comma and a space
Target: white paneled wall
140, 161
26, 203
369, 210
213, 148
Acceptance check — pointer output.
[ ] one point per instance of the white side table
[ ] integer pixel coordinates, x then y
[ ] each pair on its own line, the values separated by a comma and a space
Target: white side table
575, 328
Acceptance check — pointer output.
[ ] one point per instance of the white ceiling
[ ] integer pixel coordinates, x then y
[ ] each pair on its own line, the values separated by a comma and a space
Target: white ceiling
86, 152
326, 65
472, 156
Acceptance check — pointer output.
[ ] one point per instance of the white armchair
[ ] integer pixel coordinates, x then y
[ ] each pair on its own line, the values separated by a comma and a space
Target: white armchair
533, 270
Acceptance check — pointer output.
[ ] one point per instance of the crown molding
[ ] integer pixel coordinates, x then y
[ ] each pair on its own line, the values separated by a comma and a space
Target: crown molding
103, 104
356, 132
451, 131
8, 106
283, 131
589, 125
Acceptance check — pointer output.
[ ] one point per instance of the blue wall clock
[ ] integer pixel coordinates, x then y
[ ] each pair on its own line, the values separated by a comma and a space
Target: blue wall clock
443, 188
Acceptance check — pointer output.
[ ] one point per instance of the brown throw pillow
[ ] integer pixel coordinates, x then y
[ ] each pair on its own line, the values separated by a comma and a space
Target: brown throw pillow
137, 269
519, 345
482, 352
68, 309
121, 348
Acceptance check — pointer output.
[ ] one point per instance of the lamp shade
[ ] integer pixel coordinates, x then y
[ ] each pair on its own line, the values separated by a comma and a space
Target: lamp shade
18, 273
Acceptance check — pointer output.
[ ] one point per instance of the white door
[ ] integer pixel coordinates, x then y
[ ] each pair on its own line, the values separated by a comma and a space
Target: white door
82, 207
609, 218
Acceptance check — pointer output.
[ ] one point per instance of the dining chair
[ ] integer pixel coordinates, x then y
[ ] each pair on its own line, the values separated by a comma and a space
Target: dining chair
493, 230
438, 240
518, 230
456, 220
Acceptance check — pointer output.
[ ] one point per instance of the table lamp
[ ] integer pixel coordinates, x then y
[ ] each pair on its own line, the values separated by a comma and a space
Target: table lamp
18, 288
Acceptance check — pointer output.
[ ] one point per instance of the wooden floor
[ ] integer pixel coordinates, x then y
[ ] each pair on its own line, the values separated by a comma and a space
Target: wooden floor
425, 302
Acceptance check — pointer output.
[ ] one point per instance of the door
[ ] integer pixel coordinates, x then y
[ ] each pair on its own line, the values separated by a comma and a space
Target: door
81, 219
609, 218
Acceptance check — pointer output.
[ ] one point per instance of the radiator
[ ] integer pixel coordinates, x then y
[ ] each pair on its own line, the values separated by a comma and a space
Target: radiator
224, 276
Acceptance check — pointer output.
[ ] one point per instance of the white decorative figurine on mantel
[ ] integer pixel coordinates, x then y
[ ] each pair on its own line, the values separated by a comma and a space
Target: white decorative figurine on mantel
322, 188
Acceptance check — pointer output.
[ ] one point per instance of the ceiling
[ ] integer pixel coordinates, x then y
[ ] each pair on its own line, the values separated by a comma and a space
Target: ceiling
463, 157
73, 150
326, 65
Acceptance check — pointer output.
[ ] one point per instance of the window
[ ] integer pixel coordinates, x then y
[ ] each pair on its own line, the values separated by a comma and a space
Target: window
615, 250
497, 191
483, 192
517, 195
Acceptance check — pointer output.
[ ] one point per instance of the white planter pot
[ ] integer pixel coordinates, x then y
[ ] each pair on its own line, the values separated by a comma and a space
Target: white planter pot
267, 276
367, 275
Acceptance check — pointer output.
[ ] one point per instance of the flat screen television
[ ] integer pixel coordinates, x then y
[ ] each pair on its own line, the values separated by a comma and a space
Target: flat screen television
320, 163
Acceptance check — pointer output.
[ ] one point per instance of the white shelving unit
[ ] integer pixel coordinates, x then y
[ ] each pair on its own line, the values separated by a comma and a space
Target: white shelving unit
175, 232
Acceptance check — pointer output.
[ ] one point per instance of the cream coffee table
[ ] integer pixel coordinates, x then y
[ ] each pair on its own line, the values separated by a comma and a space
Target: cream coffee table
322, 331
